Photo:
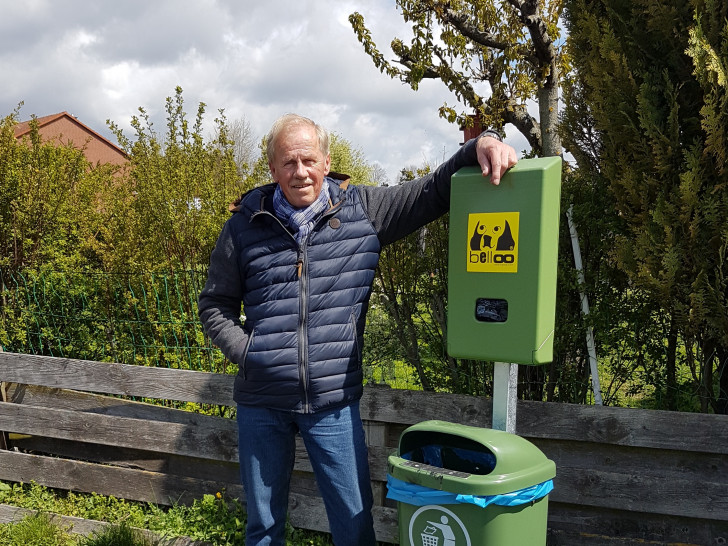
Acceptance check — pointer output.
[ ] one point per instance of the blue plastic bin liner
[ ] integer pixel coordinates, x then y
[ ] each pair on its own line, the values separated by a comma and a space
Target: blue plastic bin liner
453, 458
419, 495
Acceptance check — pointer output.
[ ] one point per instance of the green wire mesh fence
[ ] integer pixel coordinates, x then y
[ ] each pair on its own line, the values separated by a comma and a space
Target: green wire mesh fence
151, 319
148, 319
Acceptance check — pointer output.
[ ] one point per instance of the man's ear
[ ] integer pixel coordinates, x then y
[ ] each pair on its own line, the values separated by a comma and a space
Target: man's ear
272, 170
327, 166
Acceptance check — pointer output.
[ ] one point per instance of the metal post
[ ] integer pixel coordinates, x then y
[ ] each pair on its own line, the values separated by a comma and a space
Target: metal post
596, 387
505, 395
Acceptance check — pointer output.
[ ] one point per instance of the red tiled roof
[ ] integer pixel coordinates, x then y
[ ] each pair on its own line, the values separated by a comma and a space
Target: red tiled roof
23, 128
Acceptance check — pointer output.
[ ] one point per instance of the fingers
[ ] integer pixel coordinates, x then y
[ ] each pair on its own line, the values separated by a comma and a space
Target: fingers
495, 158
496, 169
502, 158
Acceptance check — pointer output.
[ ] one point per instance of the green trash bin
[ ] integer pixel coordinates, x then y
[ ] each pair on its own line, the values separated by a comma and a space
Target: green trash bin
458, 485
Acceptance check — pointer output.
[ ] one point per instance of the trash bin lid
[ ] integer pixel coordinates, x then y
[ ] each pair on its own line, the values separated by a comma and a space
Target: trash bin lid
514, 462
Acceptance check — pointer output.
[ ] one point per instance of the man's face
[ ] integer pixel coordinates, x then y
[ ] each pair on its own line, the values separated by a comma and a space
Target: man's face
299, 166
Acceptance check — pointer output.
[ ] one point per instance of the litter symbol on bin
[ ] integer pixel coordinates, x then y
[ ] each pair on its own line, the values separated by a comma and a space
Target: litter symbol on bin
437, 526
429, 538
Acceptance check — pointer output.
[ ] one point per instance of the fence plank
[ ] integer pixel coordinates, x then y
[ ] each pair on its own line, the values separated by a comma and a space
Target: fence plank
700, 432
665, 463
216, 441
639, 493
174, 465
381, 403
55, 398
376, 437
127, 483
574, 525
645, 480
121, 379
616, 426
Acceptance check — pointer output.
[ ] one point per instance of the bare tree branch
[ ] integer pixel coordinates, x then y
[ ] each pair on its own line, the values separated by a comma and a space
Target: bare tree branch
518, 115
460, 22
542, 43
457, 82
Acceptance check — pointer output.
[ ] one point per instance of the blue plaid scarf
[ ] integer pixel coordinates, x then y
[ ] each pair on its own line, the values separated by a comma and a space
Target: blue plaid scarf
301, 221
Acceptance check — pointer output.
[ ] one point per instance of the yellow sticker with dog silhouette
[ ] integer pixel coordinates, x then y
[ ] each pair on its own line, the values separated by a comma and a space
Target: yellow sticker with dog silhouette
493, 242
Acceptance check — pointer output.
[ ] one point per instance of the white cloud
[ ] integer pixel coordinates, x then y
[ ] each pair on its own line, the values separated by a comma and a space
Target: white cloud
102, 60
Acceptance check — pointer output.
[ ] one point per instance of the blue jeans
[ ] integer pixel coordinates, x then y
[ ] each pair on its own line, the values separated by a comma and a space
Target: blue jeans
336, 447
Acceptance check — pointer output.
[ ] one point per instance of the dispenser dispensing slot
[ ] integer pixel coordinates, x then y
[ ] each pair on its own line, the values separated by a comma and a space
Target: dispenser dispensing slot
491, 310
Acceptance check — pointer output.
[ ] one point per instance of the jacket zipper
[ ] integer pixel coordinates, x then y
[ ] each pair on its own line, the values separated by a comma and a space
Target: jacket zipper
301, 271
302, 268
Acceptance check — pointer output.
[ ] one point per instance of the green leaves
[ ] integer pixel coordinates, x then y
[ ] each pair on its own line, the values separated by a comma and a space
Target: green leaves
41, 192
493, 55
174, 199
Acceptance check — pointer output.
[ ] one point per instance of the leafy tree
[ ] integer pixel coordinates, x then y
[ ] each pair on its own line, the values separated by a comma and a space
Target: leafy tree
104, 262
398, 289
48, 206
42, 192
168, 212
514, 50
628, 325
708, 49
510, 48
347, 159
241, 138
656, 126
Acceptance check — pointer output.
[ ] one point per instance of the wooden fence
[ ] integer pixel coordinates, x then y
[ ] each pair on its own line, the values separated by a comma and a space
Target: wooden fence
624, 476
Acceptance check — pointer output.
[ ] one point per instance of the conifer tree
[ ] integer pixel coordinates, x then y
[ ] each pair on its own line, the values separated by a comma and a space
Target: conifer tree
708, 48
658, 128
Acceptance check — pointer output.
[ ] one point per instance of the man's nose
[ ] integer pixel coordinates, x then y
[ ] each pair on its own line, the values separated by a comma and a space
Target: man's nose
301, 171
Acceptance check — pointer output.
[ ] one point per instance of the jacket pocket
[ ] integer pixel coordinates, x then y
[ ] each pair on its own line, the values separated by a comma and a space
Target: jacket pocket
355, 336
244, 358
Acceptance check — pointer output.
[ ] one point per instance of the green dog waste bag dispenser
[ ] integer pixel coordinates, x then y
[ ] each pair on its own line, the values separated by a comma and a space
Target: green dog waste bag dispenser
502, 263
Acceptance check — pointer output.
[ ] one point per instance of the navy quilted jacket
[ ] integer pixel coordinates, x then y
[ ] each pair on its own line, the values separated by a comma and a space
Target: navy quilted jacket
299, 345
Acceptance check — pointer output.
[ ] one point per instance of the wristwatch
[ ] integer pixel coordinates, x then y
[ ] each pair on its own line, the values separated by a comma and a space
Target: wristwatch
493, 134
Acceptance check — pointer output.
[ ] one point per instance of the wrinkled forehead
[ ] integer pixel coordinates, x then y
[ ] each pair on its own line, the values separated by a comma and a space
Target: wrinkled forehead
298, 141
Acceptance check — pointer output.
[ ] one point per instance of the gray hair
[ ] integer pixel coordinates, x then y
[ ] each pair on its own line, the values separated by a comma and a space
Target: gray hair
288, 120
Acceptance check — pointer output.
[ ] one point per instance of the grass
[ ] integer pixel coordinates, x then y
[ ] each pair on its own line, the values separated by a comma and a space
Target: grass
118, 535
35, 530
39, 530
214, 518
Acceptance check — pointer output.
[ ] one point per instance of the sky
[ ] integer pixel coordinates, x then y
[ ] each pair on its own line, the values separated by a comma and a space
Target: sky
104, 59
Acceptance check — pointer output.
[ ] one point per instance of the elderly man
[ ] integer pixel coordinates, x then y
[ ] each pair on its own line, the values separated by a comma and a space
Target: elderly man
300, 255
